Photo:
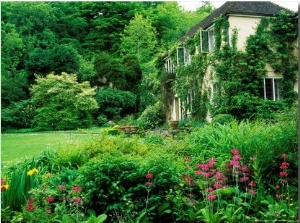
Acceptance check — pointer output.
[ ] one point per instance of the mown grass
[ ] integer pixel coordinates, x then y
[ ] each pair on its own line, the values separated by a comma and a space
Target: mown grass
21, 145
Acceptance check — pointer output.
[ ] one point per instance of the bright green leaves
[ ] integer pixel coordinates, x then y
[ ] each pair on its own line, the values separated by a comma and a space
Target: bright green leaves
62, 102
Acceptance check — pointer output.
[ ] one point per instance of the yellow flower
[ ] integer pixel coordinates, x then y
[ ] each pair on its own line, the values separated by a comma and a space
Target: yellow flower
33, 171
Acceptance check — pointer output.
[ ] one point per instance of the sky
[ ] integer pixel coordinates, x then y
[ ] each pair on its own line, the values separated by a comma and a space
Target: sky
193, 5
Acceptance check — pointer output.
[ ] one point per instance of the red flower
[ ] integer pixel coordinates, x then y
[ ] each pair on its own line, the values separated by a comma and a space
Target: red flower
149, 176
50, 199
30, 207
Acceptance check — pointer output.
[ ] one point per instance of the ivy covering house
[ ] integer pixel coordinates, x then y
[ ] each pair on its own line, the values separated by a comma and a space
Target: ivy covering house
241, 60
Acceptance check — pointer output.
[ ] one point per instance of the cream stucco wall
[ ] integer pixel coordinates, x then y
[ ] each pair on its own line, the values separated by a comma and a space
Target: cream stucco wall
245, 27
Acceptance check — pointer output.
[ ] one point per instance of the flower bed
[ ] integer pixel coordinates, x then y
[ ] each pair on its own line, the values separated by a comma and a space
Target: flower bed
153, 179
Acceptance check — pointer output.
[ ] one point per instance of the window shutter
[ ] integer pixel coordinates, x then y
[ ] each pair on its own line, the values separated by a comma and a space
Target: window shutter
204, 41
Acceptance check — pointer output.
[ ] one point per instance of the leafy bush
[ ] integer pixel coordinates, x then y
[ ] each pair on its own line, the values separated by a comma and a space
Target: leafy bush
62, 103
115, 103
222, 119
120, 185
151, 117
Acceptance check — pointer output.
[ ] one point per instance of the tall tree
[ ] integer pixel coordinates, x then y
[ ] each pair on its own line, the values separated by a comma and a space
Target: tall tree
13, 79
62, 102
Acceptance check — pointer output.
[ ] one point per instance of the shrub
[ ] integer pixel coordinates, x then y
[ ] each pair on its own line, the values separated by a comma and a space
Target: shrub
114, 103
222, 119
151, 117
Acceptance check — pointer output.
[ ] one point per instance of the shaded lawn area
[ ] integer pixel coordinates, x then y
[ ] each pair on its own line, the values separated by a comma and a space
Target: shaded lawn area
21, 145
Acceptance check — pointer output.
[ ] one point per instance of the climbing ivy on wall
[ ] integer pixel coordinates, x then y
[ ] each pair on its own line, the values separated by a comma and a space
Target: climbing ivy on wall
238, 75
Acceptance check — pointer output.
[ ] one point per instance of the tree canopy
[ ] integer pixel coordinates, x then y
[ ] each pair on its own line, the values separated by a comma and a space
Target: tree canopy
108, 44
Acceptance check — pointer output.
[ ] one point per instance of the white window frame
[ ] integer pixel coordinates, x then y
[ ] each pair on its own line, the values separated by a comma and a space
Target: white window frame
169, 65
210, 40
186, 56
275, 88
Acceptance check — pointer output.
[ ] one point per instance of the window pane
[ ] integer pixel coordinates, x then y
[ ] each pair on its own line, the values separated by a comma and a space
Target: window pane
180, 55
269, 88
277, 88
204, 41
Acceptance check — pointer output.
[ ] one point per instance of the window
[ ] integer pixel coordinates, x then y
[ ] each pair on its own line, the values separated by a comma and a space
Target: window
169, 66
180, 56
207, 39
183, 57
272, 88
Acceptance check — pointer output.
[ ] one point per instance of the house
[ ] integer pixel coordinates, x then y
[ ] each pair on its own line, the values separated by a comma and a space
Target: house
223, 34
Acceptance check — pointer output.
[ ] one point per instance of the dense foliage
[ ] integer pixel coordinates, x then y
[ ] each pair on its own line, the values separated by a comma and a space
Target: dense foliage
217, 173
97, 41
62, 103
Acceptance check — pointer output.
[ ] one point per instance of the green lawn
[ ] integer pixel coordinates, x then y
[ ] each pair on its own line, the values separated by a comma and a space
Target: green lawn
21, 145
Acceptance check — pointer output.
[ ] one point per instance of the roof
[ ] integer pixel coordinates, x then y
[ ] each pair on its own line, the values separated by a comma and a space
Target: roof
233, 7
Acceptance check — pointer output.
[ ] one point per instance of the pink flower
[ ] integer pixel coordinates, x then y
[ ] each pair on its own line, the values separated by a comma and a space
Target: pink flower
48, 211
235, 152
190, 195
234, 163
279, 196
212, 162
217, 185
211, 197
277, 186
50, 199
210, 189
76, 189
148, 184
284, 165
284, 156
244, 168
149, 176
198, 172
252, 184
244, 178
77, 200
236, 157
207, 174
283, 174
